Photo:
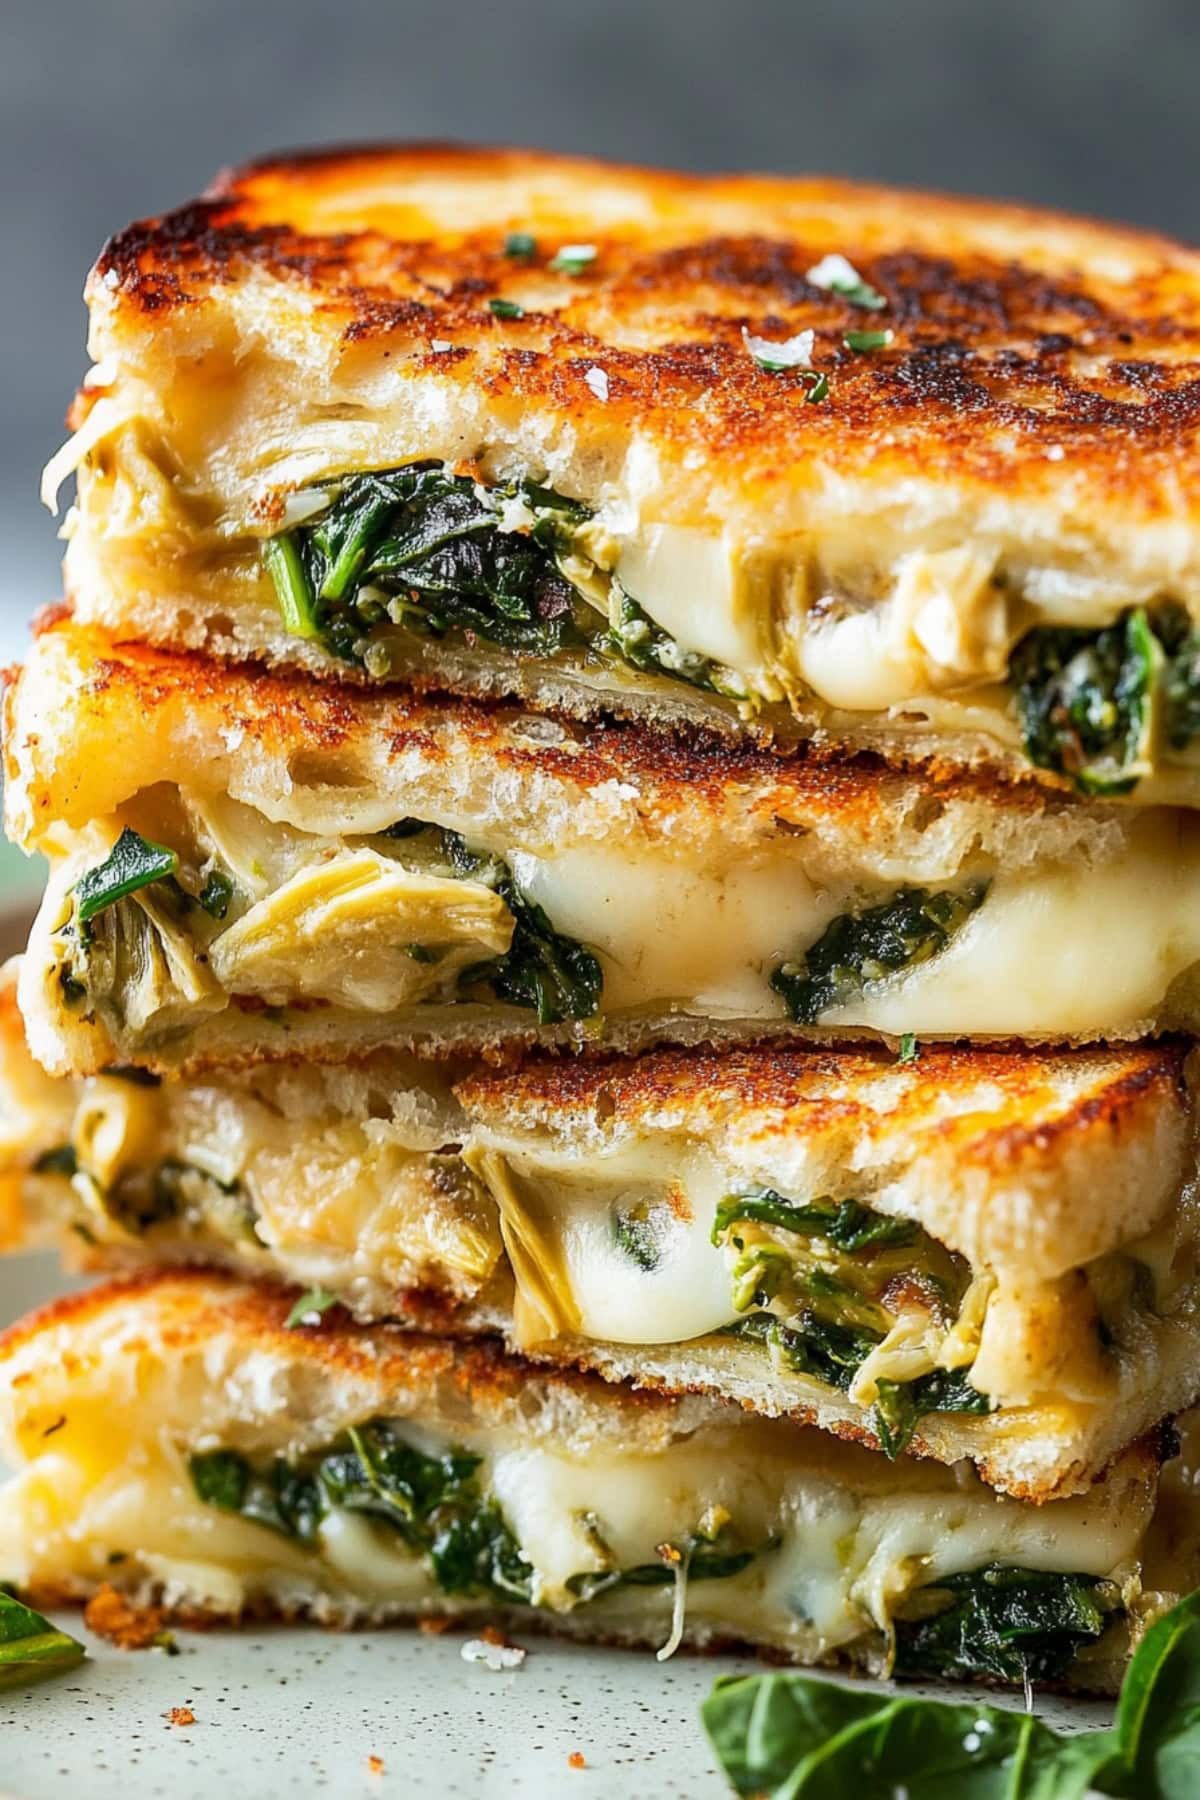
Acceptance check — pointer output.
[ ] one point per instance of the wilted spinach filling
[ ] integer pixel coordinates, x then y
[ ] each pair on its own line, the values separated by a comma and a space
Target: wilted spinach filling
1091, 703
439, 1508
426, 550
1005, 1623
870, 944
823, 1284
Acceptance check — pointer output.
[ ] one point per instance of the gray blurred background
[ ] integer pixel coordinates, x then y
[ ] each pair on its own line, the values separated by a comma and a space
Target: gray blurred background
116, 110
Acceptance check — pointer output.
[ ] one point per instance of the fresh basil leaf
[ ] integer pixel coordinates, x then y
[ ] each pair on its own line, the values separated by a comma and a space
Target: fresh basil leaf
133, 862
1158, 1714
31, 1648
793, 1737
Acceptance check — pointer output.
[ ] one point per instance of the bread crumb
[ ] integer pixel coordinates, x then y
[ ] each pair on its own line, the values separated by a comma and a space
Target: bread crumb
182, 1715
110, 1615
577, 1760
375, 1767
495, 1655
492, 1634
435, 1625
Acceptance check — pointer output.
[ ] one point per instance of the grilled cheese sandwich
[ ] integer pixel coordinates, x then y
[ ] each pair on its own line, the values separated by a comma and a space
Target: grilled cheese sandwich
174, 1438
983, 1255
790, 455
274, 866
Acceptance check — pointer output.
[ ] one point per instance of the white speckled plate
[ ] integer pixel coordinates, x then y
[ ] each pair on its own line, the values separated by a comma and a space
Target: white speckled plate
299, 1712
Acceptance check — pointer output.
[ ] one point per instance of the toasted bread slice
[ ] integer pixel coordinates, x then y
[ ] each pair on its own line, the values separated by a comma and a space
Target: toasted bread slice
619, 472
359, 1474
269, 865
982, 1255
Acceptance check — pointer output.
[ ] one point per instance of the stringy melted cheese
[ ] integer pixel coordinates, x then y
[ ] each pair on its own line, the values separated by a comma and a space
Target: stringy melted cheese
850, 1539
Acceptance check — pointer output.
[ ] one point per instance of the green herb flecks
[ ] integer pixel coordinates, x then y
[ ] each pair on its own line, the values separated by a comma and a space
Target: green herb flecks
310, 1308
872, 944
31, 1648
573, 259
506, 309
420, 548
134, 862
909, 1049
634, 1231
788, 1736
864, 342
216, 894
837, 276
556, 976
520, 246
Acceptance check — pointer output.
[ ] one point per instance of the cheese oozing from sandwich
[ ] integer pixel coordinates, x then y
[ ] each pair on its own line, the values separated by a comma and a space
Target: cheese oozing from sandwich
271, 868
988, 1255
362, 1475
788, 454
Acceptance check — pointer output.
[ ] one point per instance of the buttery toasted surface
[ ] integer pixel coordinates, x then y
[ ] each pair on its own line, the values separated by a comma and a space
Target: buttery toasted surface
1008, 1242
374, 851
573, 1502
992, 429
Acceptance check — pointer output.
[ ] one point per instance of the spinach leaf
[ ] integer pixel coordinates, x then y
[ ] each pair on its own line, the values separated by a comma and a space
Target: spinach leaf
1003, 1623
633, 636
31, 1648
703, 1558
794, 1737
423, 548
61, 1160
555, 975
132, 863
859, 947
834, 1354
433, 1503
849, 1225
901, 1405
1085, 700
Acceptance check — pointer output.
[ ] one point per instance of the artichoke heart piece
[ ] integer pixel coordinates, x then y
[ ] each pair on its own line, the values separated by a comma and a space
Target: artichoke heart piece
544, 1306
142, 972
360, 931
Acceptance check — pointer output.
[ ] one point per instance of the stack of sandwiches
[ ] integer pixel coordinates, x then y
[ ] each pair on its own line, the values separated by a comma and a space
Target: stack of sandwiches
619, 777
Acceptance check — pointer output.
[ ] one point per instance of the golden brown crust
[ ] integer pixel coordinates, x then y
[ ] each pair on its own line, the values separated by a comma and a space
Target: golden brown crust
297, 714
1018, 332
1031, 1103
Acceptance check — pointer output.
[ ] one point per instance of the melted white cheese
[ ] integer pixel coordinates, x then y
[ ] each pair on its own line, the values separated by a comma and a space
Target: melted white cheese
667, 929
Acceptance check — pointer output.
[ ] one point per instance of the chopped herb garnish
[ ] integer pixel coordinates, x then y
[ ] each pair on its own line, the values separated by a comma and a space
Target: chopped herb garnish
866, 341
521, 246
506, 309
573, 259
310, 1308
31, 1648
837, 276
133, 862
789, 353
909, 1049
634, 1231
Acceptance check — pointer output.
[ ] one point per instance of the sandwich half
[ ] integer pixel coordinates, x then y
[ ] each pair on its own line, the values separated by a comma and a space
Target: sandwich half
976, 1255
173, 1438
249, 864
893, 470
